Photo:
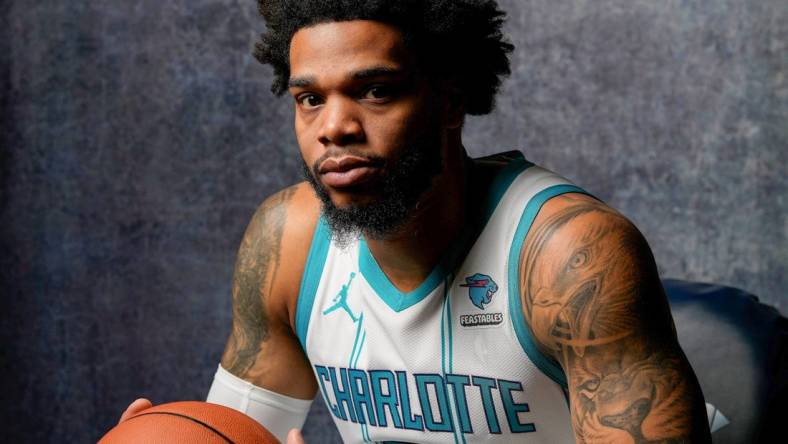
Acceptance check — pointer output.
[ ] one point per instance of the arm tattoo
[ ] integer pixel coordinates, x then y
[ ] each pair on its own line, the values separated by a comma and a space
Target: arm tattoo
255, 269
592, 297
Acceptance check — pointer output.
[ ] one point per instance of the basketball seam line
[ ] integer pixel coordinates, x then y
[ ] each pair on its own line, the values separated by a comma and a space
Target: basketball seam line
189, 418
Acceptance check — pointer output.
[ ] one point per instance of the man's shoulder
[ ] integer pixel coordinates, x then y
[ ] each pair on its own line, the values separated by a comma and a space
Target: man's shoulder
578, 215
294, 211
585, 261
575, 231
277, 241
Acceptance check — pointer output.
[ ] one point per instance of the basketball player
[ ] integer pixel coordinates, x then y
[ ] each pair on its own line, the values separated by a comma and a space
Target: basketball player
427, 296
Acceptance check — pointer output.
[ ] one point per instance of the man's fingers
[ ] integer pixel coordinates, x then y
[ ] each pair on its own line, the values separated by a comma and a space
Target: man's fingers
134, 408
294, 437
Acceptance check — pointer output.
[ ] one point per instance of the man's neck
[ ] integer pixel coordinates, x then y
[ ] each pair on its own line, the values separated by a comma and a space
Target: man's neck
408, 256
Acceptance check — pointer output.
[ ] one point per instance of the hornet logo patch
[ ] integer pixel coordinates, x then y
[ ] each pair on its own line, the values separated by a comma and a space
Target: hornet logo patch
481, 289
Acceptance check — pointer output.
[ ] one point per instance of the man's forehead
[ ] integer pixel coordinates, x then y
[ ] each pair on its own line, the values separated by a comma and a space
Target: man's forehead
346, 49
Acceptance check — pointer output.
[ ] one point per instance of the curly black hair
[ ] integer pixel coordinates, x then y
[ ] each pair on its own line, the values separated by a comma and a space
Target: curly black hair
452, 39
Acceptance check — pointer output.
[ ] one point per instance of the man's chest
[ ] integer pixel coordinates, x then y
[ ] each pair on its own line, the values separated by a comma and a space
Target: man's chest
446, 362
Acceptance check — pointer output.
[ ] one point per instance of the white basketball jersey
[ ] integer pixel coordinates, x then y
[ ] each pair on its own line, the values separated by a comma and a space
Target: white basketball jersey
452, 360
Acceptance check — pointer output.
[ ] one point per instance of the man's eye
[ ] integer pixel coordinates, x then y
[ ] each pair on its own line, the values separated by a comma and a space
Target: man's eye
309, 100
378, 93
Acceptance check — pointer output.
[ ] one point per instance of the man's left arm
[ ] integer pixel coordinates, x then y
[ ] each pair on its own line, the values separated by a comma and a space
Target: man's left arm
594, 302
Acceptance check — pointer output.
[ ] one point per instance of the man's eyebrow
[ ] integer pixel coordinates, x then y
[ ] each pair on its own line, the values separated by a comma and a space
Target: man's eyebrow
301, 82
363, 74
379, 71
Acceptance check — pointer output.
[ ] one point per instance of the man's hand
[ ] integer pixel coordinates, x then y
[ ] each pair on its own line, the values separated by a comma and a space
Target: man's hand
134, 408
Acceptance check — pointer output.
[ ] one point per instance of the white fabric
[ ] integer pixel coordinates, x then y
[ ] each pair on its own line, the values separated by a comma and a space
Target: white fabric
276, 412
354, 336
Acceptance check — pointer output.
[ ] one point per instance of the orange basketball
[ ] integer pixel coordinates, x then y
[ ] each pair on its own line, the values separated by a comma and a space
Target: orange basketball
189, 422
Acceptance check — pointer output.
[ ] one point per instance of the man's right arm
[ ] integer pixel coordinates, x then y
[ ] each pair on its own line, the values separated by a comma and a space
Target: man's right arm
262, 348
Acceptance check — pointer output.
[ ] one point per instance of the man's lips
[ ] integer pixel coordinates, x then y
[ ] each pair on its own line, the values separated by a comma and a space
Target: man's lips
347, 171
342, 164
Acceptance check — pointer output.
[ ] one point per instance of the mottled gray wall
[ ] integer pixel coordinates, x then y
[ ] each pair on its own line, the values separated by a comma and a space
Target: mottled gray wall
137, 138
673, 112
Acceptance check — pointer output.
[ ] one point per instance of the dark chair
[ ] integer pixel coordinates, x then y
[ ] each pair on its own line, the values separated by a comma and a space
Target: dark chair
739, 350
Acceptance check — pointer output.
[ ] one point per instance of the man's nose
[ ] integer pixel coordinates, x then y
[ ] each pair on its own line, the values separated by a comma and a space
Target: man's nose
341, 125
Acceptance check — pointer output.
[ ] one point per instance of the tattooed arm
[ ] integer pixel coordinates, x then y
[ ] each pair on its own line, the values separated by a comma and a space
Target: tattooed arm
262, 347
594, 302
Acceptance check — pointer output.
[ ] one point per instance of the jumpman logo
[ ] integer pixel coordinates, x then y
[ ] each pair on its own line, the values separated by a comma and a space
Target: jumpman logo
340, 301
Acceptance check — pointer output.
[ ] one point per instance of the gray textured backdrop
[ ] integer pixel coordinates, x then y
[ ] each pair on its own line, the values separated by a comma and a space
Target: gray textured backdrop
138, 137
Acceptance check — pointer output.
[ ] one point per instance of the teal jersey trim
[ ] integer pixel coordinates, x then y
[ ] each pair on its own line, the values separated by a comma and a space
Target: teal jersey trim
398, 300
310, 280
391, 295
547, 365
448, 324
502, 181
443, 335
452, 406
447, 358
358, 345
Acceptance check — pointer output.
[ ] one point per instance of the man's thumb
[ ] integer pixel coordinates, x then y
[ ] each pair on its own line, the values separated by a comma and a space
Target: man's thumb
294, 437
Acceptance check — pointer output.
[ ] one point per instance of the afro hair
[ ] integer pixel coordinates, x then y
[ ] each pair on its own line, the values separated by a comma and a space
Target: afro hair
459, 40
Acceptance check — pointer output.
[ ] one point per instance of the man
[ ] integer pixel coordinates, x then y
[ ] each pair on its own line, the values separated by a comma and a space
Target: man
429, 297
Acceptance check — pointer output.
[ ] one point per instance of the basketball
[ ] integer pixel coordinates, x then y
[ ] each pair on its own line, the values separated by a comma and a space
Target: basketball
189, 422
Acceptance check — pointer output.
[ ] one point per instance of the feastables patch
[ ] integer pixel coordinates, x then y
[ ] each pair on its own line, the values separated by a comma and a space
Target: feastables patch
481, 319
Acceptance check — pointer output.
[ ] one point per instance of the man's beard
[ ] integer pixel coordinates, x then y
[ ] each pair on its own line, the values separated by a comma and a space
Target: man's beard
403, 182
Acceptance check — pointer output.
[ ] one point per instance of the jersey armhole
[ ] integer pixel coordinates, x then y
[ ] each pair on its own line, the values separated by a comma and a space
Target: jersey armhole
545, 363
310, 280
